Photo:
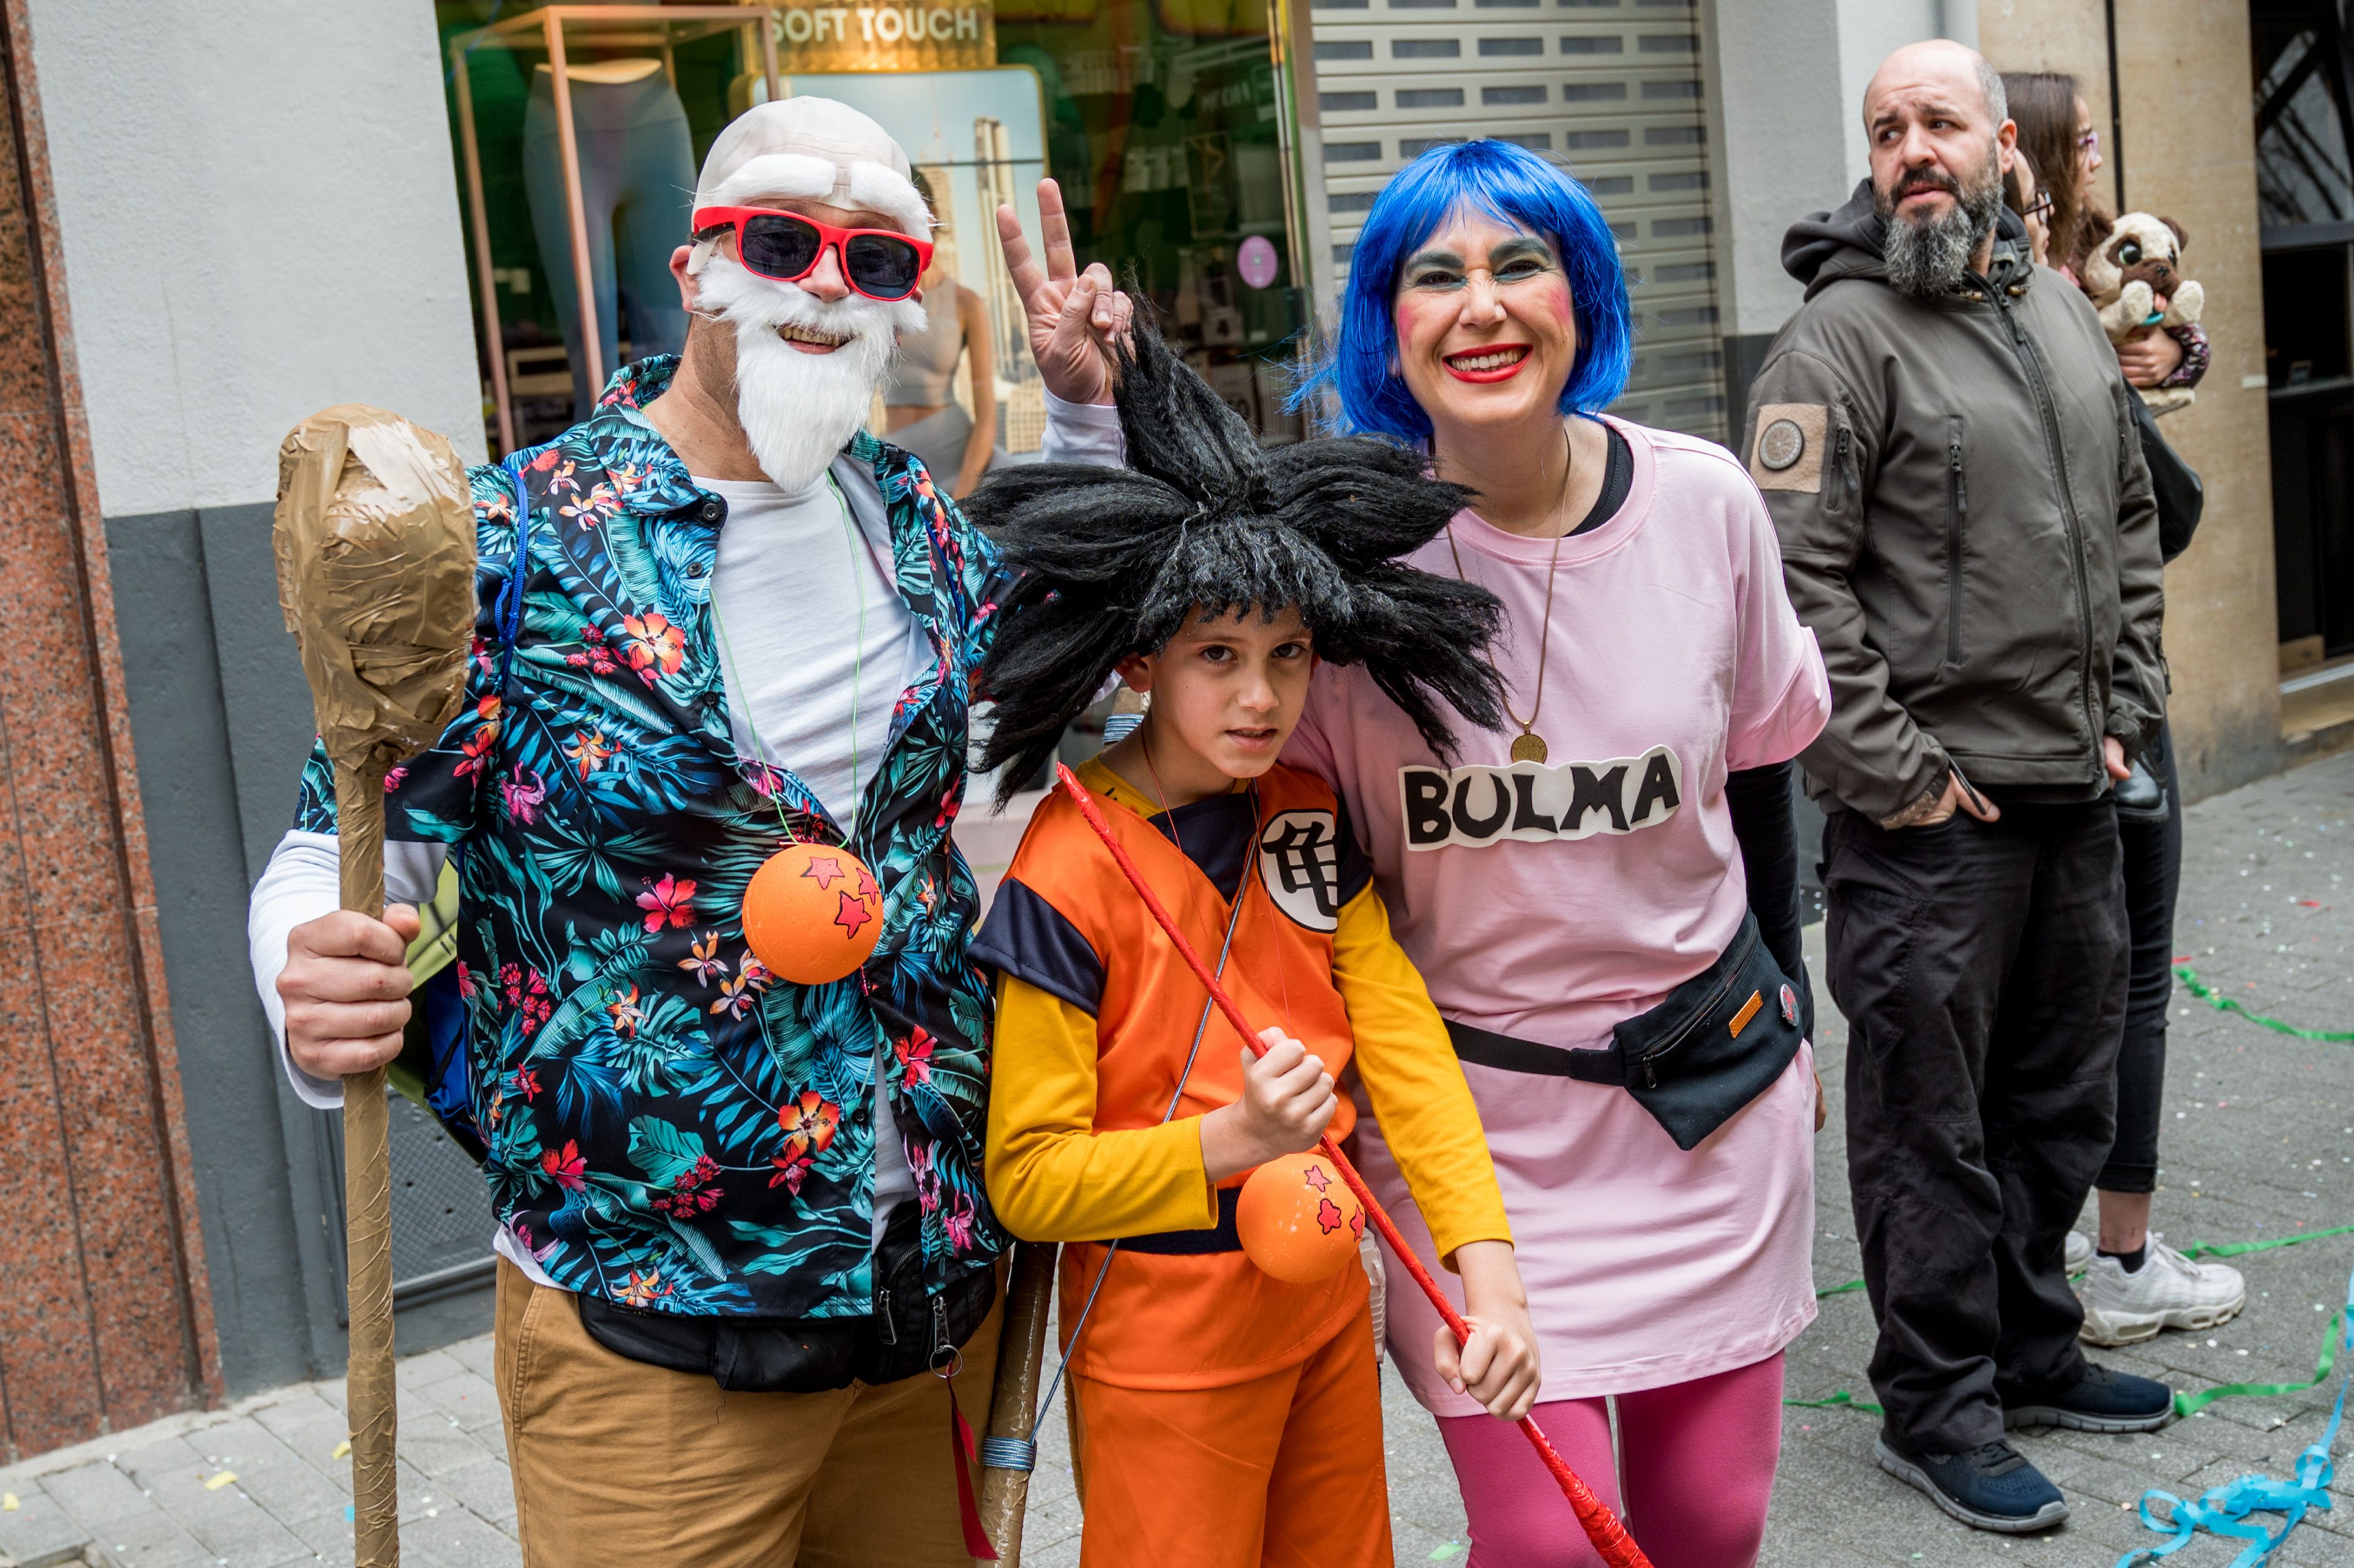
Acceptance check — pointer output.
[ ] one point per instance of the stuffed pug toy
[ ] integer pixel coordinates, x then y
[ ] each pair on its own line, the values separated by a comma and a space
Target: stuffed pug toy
2133, 274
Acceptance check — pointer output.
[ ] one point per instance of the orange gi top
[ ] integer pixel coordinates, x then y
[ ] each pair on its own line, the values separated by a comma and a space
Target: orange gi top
1096, 1012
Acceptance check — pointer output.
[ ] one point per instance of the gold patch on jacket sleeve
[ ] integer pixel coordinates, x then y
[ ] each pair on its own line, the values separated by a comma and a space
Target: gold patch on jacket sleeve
1788, 452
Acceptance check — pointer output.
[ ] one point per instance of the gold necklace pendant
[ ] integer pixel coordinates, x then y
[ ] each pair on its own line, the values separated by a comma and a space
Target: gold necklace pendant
1529, 747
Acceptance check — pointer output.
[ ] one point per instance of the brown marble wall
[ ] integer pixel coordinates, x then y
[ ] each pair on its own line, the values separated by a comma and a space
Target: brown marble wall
2189, 154
105, 1321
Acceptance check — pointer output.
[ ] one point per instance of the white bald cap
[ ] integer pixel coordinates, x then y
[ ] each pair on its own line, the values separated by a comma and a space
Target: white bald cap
814, 148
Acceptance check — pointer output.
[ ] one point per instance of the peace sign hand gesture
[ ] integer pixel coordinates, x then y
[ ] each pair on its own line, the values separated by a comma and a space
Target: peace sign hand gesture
1074, 317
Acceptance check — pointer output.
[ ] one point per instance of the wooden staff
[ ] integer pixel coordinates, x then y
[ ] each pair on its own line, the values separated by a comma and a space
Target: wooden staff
1007, 1454
375, 540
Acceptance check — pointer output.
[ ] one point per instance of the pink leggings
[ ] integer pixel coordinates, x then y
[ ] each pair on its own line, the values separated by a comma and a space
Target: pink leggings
1700, 1471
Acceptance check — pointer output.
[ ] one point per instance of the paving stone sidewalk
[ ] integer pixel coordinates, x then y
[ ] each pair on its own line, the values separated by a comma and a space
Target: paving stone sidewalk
2259, 1142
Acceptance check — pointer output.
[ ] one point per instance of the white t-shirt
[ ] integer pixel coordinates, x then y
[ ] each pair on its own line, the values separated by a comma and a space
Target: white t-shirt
788, 587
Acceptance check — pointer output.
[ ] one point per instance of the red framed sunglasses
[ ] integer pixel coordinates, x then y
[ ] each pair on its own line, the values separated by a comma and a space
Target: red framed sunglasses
880, 263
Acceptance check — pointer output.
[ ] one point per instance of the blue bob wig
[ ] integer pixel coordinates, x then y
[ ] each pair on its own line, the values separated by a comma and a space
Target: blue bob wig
1513, 186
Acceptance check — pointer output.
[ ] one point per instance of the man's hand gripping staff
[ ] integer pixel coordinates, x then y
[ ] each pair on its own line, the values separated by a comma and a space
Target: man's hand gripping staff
1602, 1528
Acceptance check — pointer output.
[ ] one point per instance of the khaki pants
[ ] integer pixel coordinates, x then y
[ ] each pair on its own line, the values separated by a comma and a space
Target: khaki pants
619, 1463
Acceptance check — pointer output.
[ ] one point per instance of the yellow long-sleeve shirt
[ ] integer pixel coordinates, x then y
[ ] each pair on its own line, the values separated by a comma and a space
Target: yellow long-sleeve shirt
1051, 1176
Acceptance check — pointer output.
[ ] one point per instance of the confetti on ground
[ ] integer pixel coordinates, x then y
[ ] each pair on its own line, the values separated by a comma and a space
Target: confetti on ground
215, 1482
342, 1448
8, 1502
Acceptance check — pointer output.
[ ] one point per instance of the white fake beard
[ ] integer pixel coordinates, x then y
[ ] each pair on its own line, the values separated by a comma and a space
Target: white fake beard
798, 410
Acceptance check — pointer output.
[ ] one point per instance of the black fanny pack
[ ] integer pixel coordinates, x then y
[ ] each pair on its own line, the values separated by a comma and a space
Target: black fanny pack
1717, 1043
906, 1333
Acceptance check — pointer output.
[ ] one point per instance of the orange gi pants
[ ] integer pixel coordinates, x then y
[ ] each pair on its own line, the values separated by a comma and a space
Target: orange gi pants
1284, 1471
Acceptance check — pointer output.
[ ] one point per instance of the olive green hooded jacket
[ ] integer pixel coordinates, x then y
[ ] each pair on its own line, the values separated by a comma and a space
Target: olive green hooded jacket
1966, 523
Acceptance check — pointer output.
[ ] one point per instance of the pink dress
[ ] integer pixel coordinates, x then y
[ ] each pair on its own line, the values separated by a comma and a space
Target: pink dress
1550, 900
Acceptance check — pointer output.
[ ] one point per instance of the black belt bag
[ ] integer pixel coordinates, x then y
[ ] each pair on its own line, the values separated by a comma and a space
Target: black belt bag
907, 1332
1717, 1043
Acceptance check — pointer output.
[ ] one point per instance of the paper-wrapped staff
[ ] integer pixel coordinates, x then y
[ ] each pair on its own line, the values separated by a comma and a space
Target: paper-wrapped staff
1010, 1452
375, 539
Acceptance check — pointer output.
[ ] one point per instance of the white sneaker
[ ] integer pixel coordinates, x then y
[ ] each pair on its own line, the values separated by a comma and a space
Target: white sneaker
2169, 1292
2080, 1252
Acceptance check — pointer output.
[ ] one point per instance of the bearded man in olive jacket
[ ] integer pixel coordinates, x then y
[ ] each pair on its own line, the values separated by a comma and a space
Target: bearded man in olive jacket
1967, 523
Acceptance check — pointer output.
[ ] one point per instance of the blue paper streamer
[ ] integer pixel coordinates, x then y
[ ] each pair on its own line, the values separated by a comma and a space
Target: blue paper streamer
2225, 1510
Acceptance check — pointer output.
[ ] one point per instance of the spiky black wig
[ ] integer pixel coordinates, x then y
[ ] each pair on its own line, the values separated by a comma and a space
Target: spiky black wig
1114, 561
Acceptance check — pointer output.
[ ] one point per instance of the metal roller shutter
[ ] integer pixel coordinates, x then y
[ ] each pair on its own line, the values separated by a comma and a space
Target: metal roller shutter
1610, 87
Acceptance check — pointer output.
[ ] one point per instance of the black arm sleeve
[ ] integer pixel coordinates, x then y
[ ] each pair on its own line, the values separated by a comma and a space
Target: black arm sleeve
1768, 834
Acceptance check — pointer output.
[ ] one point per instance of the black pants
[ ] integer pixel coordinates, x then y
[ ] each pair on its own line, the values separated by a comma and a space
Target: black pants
2153, 857
1982, 971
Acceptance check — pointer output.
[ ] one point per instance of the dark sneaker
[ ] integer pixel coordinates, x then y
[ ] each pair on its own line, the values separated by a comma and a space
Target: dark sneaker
1992, 1486
2104, 1400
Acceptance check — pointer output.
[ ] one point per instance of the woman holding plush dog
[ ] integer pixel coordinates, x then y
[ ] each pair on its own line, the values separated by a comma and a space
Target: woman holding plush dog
2135, 1284
2057, 133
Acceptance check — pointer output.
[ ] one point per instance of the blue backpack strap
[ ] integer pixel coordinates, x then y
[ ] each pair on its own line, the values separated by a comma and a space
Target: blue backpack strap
510, 605
448, 1064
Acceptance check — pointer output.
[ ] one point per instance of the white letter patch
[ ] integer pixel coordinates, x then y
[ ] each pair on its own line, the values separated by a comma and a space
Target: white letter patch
1477, 806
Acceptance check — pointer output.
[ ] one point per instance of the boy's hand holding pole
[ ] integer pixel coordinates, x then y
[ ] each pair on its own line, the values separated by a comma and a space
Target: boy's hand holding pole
1288, 1102
1288, 1099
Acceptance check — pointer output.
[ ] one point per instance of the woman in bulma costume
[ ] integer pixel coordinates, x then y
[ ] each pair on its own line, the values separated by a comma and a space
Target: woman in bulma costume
1580, 887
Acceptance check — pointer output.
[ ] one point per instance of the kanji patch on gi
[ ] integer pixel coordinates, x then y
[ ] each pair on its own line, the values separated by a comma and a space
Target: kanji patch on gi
1788, 451
1299, 863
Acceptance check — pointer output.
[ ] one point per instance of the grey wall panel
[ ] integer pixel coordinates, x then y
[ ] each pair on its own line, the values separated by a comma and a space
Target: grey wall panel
227, 1077
221, 720
262, 691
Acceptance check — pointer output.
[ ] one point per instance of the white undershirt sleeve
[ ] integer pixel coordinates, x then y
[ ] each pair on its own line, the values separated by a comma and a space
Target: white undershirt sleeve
1082, 433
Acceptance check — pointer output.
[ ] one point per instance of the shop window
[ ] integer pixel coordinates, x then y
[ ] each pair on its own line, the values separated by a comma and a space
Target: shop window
1164, 121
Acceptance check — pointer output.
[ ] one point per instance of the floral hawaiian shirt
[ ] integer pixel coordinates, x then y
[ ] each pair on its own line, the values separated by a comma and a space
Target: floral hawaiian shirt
668, 1124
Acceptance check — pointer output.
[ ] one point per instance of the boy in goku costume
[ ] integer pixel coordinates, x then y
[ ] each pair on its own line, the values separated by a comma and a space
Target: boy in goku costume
1224, 1417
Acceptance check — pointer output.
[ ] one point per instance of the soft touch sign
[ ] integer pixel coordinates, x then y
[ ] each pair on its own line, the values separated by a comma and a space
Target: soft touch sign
815, 36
